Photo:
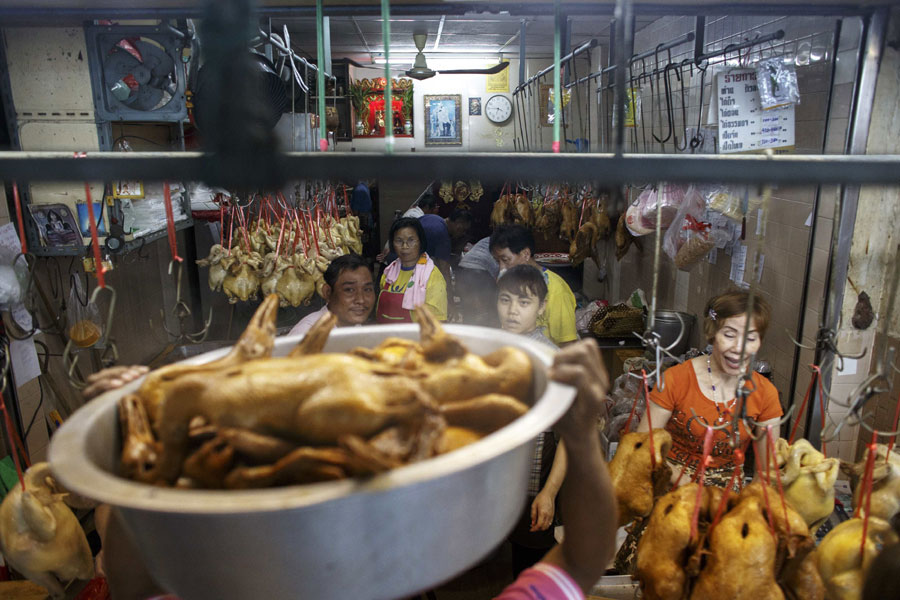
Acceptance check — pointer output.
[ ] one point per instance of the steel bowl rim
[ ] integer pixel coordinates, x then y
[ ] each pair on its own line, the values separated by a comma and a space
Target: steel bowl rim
70, 463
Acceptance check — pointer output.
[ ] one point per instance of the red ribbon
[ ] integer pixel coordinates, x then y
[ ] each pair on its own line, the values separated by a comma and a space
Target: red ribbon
770, 446
16, 443
764, 482
739, 460
696, 225
95, 238
867, 493
170, 222
704, 461
19, 217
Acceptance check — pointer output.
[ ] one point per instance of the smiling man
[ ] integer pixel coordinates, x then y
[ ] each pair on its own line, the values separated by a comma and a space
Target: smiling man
349, 294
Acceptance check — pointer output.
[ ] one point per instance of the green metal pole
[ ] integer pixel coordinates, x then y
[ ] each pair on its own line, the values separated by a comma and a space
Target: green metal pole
320, 76
557, 97
388, 106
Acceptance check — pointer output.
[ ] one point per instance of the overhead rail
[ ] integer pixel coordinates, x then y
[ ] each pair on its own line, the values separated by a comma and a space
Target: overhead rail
686, 38
592, 43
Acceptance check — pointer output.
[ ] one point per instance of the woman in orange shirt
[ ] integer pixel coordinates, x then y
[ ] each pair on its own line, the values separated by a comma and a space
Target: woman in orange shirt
707, 384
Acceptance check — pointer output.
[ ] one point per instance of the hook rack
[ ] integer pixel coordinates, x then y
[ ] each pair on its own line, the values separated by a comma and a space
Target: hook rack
181, 311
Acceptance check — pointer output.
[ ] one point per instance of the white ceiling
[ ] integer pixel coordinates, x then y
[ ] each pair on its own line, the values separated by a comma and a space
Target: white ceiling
360, 38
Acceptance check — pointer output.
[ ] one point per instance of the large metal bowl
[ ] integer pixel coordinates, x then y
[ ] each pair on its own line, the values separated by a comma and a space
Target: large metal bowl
385, 537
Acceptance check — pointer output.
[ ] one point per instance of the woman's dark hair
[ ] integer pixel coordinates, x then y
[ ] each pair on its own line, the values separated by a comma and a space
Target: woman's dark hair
522, 280
53, 213
403, 223
462, 215
730, 304
514, 237
345, 262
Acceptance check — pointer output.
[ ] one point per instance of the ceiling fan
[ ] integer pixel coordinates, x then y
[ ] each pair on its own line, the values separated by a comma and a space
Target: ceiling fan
421, 71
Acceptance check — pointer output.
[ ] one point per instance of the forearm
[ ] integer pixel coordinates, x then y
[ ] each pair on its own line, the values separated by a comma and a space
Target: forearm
557, 471
589, 505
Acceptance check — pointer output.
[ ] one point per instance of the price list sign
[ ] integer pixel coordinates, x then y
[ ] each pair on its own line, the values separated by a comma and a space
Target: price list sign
743, 125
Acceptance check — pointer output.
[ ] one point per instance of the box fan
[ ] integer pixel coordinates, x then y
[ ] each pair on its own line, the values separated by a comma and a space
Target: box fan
137, 73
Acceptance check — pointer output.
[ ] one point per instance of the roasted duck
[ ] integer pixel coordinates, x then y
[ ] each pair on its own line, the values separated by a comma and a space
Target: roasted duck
568, 220
547, 218
500, 212
841, 565
637, 484
666, 545
313, 416
808, 479
599, 218
583, 244
885, 501
40, 537
522, 213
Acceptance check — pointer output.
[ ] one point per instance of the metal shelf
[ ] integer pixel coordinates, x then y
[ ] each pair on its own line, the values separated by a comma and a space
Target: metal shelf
486, 166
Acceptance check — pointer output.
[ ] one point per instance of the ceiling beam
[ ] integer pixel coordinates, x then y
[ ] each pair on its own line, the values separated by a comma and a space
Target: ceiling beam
437, 40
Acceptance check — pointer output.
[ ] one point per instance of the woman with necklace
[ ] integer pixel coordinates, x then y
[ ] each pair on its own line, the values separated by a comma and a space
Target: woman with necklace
707, 384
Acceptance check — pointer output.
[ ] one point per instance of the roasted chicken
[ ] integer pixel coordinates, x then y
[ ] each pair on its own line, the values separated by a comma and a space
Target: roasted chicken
636, 482
584, 242
241, 282
311, 416
808, 479
40, 537
500, 211
522, 213
547, 218
218, 262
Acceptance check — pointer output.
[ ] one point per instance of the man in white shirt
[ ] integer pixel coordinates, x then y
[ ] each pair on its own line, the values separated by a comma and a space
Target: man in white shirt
349, 294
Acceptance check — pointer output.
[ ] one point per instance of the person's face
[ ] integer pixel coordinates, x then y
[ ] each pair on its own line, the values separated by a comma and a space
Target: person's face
53, 218
508, 259
518, 313
458, 229
353, 296
726, 345
407, 246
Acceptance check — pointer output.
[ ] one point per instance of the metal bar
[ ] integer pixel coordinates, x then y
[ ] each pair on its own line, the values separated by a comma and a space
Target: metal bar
388, 89
437, 39
320, 77
699, 38
688, 37
493, 166
769, 37
625, 47
56, 14
592, 43
557, 97
522, 60
870, 60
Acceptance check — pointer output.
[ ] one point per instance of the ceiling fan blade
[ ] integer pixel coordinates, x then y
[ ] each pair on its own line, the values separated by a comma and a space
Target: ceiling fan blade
489, 71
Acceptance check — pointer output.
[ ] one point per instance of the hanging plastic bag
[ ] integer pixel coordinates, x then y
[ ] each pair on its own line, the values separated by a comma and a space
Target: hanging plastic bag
777, 83
689, 238
725, 199
85, 327
640, 218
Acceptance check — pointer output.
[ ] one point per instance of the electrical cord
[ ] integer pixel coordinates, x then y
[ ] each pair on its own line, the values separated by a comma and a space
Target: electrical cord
37, 409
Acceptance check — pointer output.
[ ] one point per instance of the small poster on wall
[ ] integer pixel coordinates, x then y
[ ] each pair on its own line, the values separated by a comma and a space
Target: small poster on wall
498, 83
56, 226
474, 107
84, 220
443, 120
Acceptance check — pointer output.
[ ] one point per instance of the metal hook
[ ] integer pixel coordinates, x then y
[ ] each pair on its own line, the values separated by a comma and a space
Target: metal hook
704, 423
759, 426
182, 311
680, 76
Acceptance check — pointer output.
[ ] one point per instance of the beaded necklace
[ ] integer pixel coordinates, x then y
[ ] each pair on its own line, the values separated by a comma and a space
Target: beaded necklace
721, 415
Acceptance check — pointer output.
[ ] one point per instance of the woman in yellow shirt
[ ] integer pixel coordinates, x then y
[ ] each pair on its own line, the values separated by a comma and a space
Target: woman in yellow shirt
412, 280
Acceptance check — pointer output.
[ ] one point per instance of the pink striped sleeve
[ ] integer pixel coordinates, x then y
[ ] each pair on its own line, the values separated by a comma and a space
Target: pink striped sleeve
543, 581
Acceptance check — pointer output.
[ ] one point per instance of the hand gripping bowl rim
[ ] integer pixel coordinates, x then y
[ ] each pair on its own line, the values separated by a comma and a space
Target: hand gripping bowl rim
70, 462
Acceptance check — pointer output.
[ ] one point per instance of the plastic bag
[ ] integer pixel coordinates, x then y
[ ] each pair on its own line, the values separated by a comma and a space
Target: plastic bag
777, 83
725, 199
85, 327
640, 218
689, 239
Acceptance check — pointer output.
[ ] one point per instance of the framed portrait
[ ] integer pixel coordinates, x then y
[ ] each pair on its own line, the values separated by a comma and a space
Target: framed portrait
443, 120
56, 226
132, 190
474, 107
84, 220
